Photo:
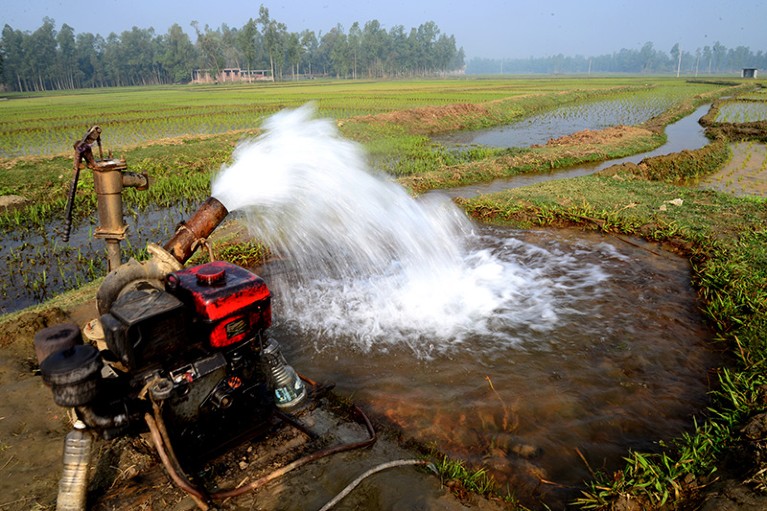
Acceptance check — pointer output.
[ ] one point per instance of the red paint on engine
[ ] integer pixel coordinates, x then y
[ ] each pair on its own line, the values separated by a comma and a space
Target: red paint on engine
231, 302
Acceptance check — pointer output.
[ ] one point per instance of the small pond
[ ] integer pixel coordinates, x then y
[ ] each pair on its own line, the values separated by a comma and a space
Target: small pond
623, 365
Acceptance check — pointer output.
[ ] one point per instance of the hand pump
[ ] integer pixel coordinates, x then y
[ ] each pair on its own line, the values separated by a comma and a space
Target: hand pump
109, 179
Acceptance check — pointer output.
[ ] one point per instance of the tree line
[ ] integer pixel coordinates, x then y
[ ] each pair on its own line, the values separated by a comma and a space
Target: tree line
716, 59
50, 59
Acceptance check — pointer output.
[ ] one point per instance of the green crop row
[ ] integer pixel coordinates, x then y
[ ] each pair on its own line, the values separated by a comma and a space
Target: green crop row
47, 124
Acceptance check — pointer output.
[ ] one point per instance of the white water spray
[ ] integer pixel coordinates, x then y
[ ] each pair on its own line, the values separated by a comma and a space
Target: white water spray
368, 264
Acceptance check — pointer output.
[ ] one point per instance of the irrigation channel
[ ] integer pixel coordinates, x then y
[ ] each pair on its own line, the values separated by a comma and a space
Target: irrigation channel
686, 133
533, 353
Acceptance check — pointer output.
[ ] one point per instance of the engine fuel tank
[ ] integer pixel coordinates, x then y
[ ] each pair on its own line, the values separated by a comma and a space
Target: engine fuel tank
230, 303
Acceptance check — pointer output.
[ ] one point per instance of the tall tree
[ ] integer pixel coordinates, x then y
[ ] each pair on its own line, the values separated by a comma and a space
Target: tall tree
339, 54
177, 54
137, 49
310, 46
293, 53
13, 58
209, 46
399, 58
40, 55
88, 53
250, 44
707, 57
274, 40
48, 59
719, 53
425, 36
676, 54
374, 44
67, 70
354, 46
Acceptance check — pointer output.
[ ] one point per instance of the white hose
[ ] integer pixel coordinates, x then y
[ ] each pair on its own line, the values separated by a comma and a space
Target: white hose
356, 482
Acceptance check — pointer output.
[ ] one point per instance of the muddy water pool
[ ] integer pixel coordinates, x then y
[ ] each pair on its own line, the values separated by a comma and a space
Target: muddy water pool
624, 365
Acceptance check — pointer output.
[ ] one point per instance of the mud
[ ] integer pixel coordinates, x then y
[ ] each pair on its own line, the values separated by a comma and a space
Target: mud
32, 427
125, 474
610, 135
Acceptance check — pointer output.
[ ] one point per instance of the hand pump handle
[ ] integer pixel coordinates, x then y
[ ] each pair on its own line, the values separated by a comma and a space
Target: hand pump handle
82, 152
70, 205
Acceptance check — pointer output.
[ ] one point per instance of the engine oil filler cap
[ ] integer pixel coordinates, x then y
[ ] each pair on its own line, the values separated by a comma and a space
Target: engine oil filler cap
210, 276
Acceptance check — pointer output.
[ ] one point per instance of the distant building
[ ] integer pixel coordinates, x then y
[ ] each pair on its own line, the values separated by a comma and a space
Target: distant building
231, 75
749, 72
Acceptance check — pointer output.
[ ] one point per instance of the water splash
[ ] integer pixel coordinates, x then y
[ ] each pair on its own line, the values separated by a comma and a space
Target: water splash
364, 263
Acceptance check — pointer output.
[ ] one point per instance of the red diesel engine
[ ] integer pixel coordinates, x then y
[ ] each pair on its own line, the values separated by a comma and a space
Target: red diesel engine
198, 348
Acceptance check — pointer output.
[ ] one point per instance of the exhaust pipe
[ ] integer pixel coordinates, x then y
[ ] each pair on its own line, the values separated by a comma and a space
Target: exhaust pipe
194, 232
189, 236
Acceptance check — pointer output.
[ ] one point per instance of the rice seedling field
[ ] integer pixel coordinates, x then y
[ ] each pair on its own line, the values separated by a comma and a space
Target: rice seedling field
745, 174
743, 111
626, 109
47, 124
181, 135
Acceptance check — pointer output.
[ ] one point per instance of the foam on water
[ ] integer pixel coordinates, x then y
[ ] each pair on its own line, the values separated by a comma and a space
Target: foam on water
366, 263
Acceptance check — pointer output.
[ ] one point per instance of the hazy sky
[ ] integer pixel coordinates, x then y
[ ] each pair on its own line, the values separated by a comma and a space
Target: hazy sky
485, 28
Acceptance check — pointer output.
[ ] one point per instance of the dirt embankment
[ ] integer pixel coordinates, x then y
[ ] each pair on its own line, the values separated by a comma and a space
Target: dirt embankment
430, 120
609, 135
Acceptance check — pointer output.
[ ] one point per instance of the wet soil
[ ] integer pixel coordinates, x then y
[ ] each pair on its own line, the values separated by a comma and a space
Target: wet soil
745, 173
430, 119
125, 474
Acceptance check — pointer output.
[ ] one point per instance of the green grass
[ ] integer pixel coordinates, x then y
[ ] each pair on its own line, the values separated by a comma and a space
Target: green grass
135, 123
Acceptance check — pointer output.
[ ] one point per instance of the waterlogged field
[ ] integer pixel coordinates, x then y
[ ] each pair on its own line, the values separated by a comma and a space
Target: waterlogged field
41, 265
743, 111
627, 110
745, 173
370, 113
756, 95
46, 124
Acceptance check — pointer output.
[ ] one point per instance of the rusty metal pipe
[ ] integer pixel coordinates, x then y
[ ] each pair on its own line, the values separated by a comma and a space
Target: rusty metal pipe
134, 180
194, 232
